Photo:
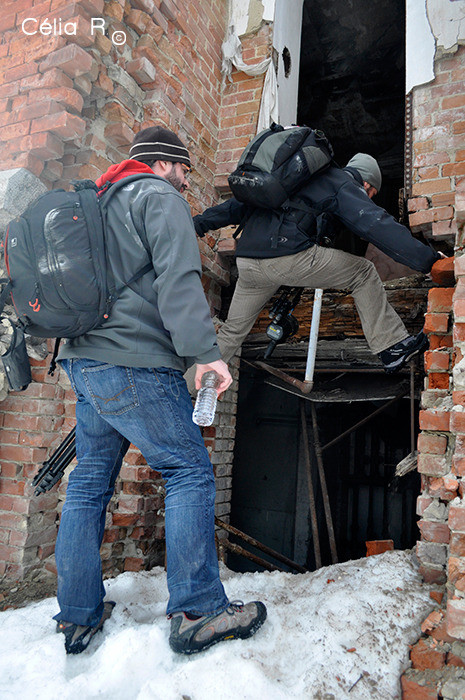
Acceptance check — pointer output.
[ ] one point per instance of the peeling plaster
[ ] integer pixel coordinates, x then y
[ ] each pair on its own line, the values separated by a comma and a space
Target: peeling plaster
447, 21
248, 15
420, 46
255, 16
434, 28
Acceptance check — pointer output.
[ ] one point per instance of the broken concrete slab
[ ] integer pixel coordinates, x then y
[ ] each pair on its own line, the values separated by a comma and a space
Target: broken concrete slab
18, 188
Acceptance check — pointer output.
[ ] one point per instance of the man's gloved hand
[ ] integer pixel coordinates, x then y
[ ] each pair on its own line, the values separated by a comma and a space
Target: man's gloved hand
197, 227
442, 272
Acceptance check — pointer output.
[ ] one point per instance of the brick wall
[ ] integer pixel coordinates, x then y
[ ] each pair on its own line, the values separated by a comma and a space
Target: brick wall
69, 108
438, 147
437, 208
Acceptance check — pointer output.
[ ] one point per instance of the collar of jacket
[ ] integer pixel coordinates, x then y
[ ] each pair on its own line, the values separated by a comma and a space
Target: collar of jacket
120, 170
355, 174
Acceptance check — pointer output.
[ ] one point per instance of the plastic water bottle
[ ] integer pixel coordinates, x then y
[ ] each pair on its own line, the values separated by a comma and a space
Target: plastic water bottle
205, 404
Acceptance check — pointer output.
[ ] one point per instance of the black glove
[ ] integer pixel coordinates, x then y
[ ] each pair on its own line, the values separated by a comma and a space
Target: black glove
197, 226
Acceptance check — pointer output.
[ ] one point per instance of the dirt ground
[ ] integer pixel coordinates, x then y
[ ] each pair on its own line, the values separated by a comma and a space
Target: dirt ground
17, 594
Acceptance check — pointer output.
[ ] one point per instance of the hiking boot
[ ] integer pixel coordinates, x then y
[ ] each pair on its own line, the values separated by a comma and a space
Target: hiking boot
397, 355
77, 637
238, 621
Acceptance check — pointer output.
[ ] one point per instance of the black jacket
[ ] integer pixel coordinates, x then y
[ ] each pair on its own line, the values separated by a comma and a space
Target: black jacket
269, 233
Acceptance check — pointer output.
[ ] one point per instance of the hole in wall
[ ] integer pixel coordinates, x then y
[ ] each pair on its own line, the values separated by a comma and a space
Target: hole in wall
286, 54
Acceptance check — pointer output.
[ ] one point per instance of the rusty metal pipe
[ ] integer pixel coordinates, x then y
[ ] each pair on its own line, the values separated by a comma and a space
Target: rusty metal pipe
324, 489
248, 555
259, 545
311, 493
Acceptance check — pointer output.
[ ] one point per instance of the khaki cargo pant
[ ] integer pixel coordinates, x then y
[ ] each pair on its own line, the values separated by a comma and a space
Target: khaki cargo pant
317, 267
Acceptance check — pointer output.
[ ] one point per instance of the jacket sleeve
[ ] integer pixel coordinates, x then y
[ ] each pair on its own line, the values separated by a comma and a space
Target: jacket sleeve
372, 223
225, 214
176, 260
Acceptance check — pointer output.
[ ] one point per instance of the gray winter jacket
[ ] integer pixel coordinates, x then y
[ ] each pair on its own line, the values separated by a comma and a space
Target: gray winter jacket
163, 319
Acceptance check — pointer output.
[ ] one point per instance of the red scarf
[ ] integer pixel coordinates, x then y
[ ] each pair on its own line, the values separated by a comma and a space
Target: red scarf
120, 170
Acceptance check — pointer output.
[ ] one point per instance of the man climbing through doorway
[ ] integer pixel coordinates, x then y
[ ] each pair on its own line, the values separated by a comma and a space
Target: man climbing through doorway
299, 261
127, 377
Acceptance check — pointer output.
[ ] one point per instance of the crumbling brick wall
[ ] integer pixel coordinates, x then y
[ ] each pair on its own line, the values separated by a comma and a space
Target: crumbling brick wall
438, 207
69, 105
438, 147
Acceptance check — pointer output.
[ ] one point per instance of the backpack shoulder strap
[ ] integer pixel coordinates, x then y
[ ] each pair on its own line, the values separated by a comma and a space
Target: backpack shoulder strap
106, 193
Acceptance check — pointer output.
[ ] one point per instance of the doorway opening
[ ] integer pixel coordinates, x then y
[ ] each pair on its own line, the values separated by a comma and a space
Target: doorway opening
271, 499
352, 83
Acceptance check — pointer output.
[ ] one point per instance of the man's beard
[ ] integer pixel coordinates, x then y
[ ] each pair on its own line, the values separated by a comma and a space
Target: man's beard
174, 180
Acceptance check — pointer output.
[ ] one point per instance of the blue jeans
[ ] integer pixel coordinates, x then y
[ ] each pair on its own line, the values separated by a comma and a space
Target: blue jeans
152, 409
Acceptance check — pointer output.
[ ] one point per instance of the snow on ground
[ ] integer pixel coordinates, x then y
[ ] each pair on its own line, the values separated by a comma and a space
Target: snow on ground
339, 633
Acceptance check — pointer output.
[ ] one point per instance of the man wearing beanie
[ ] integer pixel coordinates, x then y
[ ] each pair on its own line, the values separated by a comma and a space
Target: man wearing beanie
301, 259
128, 379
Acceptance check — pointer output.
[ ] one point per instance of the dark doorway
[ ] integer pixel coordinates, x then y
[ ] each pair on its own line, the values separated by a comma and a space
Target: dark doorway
270, 494
352, 83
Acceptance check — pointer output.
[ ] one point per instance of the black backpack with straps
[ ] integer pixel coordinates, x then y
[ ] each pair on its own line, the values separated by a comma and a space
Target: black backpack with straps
273, 167
59, 278
277, 163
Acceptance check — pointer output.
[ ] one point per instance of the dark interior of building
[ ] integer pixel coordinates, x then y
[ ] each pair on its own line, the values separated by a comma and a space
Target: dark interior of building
351, 87
352, 82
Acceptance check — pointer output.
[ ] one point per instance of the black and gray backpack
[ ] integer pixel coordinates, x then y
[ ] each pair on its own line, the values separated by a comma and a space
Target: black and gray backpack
59, 279
277, 163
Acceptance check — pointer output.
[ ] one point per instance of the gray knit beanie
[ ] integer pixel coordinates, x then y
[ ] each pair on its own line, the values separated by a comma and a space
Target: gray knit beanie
368, 169
160, 144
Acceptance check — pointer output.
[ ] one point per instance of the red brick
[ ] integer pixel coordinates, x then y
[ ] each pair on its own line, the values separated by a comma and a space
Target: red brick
454, 101
125, 519
67, 126
432, 465
453, 169
459, 265
43, 145
454, 660
444, 228
438, 381
440, 300
458, 332
459, 310
442, 272
433, 419
457, 518
141, 70
437, 342
432, 186
437, 596
138, 20
456, 619
457, 421
19, 72
458, 465
425, 656
72, 59
378, 547
422, 504
133, 564
436, 323
443, 488
417, 687
115, 112
428, 216
64, 96
418, 204
10, 554
52, 79
434, 444
434, 531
